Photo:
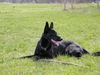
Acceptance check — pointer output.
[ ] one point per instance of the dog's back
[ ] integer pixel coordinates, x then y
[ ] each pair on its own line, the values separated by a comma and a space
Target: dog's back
69, 48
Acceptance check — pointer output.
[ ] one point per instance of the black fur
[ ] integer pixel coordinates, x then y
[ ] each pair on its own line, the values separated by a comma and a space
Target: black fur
50, 45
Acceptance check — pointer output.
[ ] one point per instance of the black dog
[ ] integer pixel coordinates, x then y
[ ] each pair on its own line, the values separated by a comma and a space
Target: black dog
50, 45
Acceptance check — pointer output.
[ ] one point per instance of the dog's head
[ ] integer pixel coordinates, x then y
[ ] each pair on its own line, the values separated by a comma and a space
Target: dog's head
48, 34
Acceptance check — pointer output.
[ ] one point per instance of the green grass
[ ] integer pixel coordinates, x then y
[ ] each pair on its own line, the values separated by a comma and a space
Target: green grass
21, 27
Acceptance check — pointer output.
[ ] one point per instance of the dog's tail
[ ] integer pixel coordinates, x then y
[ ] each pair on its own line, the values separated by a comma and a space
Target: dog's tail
29, 56
34, 57
96, 54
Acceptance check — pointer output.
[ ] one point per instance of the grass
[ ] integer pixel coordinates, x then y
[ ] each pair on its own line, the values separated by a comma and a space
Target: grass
20, 29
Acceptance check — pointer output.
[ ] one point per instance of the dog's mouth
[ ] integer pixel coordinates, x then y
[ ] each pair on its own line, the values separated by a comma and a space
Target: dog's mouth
45, 43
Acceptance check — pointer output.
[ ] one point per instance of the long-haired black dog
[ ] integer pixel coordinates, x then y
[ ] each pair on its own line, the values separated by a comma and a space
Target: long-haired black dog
50, 45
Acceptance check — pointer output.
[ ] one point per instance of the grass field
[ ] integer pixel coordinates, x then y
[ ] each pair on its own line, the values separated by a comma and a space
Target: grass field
21, 27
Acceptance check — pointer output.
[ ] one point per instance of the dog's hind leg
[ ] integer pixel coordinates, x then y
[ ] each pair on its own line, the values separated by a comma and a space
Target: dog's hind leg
93, 54
96, 54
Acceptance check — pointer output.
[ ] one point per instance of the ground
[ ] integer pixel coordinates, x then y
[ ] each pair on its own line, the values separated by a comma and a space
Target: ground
21, 26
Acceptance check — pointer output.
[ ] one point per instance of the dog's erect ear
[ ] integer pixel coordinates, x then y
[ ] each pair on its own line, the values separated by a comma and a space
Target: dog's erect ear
51, 25
46, 27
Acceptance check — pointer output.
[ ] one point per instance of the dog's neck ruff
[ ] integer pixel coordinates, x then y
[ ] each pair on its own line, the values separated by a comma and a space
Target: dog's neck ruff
48, 44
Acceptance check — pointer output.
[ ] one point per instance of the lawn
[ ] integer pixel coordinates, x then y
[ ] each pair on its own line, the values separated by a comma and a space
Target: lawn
21, 26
